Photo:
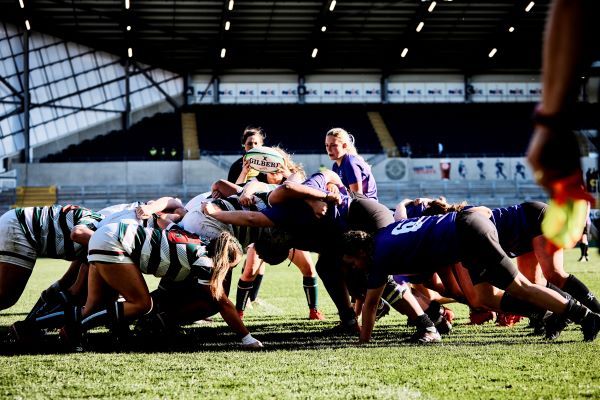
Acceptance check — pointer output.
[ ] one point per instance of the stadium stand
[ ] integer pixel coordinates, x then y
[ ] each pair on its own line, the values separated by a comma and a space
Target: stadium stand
298, 128
153, 138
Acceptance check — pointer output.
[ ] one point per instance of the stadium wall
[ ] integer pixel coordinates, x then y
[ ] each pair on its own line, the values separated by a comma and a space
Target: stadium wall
208, 169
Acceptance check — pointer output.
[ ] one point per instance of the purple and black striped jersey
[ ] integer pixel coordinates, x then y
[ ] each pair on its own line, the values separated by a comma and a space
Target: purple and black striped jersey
414, 246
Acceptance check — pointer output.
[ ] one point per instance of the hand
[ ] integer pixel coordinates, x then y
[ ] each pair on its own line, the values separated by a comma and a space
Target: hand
247, 200
69, 207
215, 194
319, 208
246, 165
209, 208
332, 187
143, 212
331, 197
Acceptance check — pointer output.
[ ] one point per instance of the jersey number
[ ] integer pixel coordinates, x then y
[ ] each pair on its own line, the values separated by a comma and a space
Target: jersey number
405, 227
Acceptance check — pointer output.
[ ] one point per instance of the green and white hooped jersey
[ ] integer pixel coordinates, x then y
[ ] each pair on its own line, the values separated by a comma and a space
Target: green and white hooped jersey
173, 254
48, 229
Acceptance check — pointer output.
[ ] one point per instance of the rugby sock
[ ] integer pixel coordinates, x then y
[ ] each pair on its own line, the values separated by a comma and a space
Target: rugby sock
113, 315
584, 250
575, 311
424, 323
310, 289
348, 317
243, 292
511, 304
558, 290
581, 293
434, 311
51, 300
393, 293
256, 287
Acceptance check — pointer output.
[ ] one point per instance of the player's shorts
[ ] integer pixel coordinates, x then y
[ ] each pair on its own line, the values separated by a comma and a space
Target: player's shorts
528, 224
14, 247
105, 247
480, 250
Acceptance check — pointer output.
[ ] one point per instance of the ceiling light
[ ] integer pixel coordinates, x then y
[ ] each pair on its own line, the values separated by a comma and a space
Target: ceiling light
432, 6
529, 6
130, 52
493, 52
332, 5
314, 53
323, 28
404, 52
128, 27
420, 26
223, 52
127, 5
227, 25
230, 6
511, 29
27, 25
21, 3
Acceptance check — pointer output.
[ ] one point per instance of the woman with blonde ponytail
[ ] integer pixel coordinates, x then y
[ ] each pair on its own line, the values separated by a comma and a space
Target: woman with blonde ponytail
355, 173
121, 252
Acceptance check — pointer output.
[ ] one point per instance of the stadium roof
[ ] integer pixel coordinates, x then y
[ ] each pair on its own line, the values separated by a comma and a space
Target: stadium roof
188, 36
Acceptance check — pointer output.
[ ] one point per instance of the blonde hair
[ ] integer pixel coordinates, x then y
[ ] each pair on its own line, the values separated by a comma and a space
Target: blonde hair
295, 168
226, 251
345, 137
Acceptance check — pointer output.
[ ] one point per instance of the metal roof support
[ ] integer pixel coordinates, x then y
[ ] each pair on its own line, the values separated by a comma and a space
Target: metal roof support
216, 96
383, 88
127, 112
301, 89
169, 99
26, 97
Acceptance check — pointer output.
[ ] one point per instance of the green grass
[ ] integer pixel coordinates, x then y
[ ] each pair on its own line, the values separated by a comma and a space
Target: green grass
298, 362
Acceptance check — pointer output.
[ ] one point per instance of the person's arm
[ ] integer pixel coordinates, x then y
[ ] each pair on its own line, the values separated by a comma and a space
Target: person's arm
247, 196
553, 150
369, 312
354, 177
400, 213
164, 203
231, 317
223, 188
239, 218
293, 191
244, 174
81, 234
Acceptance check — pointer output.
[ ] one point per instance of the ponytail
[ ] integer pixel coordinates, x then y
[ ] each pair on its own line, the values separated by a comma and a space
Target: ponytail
226, 250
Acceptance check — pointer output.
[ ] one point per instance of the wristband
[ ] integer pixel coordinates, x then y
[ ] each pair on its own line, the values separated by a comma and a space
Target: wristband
171, 225
556, 121
248, 339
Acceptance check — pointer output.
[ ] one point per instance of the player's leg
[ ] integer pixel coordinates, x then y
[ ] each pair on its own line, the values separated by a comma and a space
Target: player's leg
552, 263
303, 260
246, 281
486, 259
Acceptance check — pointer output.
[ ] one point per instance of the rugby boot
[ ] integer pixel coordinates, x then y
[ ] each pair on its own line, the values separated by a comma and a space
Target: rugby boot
315, 315
554, 324
590, 326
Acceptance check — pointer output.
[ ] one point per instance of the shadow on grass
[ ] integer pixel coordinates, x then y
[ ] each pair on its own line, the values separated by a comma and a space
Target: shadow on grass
287, 335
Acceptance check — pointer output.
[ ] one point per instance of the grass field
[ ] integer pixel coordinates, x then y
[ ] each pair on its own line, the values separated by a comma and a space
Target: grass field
299, 362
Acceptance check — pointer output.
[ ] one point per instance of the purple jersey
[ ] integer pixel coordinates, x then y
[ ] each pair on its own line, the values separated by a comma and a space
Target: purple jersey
354, 169
515, 230
415, 210
414, 246
338, 213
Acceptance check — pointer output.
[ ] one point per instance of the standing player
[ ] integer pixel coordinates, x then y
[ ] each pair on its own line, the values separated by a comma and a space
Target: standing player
354, 172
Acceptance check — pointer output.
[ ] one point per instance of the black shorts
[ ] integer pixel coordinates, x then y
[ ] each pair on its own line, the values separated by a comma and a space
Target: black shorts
480, 250
368, 215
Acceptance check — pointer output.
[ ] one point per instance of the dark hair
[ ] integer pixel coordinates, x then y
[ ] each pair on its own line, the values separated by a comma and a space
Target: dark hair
274, 246
436, 207
354, 241
251, 131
